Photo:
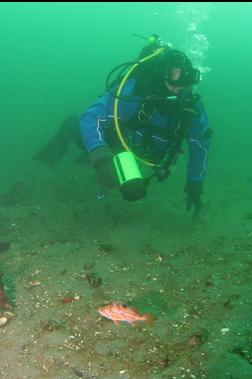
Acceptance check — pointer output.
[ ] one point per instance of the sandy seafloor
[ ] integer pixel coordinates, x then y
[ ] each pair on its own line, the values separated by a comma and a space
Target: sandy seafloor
194, 277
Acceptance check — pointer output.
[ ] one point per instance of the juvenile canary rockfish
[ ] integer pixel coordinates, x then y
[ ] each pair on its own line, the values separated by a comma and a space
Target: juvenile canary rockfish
118, 312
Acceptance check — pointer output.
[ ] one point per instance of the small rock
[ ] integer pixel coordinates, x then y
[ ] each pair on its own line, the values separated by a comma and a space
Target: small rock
3, 321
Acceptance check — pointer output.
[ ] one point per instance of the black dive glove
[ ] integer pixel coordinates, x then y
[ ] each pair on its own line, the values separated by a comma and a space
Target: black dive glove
187, 99
194, 191
102, 160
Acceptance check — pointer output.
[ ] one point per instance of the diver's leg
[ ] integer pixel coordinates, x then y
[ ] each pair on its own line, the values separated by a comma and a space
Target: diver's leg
56, 148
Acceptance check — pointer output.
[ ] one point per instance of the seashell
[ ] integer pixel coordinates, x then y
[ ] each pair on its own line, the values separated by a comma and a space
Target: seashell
3, 321
32, 284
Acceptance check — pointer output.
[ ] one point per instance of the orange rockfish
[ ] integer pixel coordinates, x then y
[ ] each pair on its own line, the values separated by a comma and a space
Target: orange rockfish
118, 312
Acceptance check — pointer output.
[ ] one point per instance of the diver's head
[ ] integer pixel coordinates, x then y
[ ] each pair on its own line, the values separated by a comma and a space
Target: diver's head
178, 70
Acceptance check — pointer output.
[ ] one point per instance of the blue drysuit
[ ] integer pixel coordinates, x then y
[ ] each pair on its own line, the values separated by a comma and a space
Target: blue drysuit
96, 124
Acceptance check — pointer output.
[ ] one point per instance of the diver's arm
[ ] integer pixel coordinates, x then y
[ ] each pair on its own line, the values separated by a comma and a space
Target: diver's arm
198, 145
91, 124
198, 142
101, 113
100, 155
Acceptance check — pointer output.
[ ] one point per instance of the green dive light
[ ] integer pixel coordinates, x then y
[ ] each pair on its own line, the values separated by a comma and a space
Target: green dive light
132, 184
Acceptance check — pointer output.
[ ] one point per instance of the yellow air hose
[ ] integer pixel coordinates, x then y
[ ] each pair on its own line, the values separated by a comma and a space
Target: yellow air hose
119, 91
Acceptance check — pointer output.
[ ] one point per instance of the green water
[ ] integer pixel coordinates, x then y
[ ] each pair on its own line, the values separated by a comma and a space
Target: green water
55, 57
54, 61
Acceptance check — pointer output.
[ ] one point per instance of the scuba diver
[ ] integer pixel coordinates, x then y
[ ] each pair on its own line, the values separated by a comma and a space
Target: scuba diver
142, 118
